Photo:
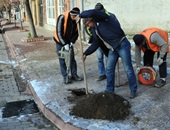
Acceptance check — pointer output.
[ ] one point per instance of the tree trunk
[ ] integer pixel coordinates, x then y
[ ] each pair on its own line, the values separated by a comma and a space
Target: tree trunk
30, 19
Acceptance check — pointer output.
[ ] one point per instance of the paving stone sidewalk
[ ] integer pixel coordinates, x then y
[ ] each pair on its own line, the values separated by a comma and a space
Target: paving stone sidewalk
40, 67
11, 92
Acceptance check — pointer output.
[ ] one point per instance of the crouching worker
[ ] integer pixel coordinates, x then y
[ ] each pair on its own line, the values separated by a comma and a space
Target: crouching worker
65, 36
150, 41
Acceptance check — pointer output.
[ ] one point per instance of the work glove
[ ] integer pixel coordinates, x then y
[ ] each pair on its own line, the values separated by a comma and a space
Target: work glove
71, 44
160, 61
67, 47
138, 69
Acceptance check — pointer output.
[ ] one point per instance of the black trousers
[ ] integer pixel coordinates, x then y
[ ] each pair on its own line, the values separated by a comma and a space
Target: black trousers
148, 61
63, 67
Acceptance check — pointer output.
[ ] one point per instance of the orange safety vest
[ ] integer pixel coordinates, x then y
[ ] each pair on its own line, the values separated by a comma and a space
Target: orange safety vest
66, 14
148, 32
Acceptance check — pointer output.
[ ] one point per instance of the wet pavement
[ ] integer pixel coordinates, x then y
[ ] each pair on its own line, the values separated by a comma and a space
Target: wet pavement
14, 90
40, 68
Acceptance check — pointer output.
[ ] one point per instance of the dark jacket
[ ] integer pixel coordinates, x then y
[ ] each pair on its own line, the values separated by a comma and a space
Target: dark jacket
96, 42
71, 33
107, 27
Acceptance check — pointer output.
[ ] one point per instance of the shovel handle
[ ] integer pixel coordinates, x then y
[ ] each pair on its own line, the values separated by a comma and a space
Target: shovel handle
83, 64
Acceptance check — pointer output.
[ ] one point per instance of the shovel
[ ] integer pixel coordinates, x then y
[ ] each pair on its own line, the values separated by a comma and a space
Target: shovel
83, 64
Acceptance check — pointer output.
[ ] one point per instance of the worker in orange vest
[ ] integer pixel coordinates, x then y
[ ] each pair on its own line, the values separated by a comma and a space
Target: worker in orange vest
65, 36
150, 41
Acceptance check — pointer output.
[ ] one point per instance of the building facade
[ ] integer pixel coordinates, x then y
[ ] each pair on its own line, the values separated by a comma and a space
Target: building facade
45, 12
133, 15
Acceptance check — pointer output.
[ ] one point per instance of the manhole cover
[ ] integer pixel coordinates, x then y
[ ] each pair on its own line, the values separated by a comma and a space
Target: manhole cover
19, 108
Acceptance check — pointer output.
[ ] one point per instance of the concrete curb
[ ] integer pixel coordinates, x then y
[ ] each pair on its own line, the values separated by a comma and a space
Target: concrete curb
55, 119
50, 115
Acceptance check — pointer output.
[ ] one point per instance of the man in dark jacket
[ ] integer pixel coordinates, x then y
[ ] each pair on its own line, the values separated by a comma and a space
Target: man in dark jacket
65, 36
102, 59
108, 29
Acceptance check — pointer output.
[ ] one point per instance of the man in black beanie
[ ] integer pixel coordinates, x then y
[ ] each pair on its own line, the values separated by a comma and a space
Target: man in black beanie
65, 36
108, 30
150, 41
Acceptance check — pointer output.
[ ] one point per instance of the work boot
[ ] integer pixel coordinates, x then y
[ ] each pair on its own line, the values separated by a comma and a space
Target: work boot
67, 80
76, 78
102, 77
109, 91
133, 94
160, 83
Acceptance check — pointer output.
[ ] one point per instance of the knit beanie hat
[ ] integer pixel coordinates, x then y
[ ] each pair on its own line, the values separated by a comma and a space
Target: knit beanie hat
99, 6
75, 11
138, 39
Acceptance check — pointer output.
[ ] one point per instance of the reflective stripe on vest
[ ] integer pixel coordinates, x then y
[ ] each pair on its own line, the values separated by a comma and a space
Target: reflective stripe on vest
66, 14
148, 32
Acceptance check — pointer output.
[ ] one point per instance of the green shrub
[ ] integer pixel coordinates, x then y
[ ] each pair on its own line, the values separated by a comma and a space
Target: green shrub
29, 35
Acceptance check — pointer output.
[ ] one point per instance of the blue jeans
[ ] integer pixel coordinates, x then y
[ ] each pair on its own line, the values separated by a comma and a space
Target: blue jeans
123, 51
101, 65
63, 66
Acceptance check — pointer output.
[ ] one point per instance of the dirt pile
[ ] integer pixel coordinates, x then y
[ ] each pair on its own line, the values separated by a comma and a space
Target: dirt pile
106, 106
